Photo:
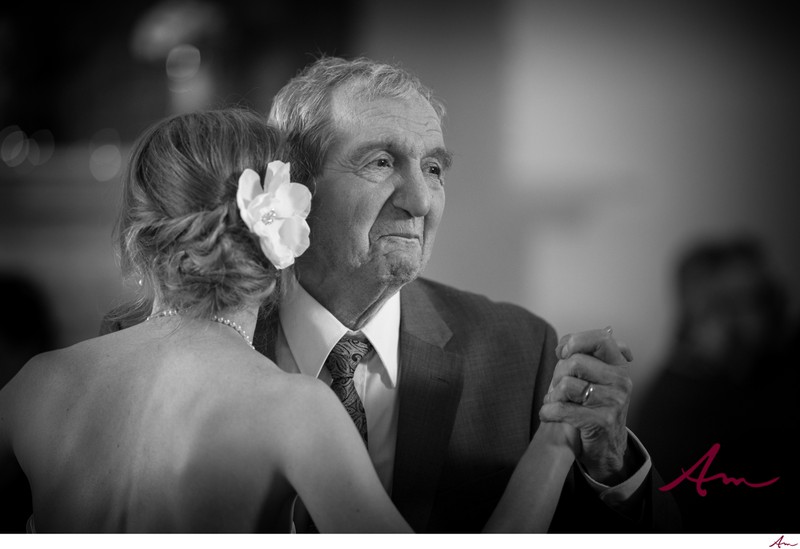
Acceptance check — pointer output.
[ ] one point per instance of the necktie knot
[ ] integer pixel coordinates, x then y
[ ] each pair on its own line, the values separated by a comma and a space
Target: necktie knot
346, 354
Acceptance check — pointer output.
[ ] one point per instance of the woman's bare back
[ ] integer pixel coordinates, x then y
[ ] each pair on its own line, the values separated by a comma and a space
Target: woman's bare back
154, 429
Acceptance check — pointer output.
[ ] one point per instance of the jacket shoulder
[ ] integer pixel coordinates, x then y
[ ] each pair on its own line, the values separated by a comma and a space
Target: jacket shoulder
468, 311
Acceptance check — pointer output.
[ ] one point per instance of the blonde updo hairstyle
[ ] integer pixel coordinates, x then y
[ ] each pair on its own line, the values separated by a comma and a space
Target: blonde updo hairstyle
179, 232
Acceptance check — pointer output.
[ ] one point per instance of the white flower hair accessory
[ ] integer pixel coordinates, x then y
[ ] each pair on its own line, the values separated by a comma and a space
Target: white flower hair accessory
276, 213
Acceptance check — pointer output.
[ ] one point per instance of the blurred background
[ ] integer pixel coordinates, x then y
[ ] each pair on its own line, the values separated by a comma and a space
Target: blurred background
596, 143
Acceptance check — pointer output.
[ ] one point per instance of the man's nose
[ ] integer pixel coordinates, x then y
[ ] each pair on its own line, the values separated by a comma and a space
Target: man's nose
413, 193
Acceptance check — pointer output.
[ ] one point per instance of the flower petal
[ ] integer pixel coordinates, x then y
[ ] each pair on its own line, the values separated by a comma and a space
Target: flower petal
260, 205
285, 259
277, 253
293, 199
277, 175
294, 235
269, 231
280, 256
249, 188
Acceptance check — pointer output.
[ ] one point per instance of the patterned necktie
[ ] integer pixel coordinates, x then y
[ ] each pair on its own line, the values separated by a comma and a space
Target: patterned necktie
341, 363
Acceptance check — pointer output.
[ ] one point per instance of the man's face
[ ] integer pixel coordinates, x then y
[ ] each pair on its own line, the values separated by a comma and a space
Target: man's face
380, 196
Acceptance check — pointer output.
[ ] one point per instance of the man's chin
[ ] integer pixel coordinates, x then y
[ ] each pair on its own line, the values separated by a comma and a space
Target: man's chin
399, 272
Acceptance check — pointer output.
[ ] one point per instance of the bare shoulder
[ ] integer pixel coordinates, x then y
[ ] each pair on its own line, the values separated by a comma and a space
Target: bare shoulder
293, 399
301, 410
38, 370
27, 395
63, 362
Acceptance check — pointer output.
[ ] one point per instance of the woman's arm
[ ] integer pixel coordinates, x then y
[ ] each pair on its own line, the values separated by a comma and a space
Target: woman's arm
327, 463
13, 485
329, 467
9, 469
533, 491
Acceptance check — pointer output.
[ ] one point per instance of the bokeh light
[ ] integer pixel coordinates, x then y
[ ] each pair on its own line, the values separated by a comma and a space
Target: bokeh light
183, 63
23, 153
105, 160
14, 147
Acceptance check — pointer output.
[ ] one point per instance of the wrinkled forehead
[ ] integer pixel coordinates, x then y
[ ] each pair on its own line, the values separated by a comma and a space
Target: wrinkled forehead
355, 111
365, 89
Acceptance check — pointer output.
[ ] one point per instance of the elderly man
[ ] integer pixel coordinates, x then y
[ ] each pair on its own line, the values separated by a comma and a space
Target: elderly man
447, 387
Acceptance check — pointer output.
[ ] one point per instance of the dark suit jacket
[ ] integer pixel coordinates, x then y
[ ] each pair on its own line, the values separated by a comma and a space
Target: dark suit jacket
472, 376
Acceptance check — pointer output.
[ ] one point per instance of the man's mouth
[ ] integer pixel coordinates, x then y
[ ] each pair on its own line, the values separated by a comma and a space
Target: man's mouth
407, 236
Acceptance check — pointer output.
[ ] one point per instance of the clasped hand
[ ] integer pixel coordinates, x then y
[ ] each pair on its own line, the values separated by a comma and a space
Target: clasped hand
590, 391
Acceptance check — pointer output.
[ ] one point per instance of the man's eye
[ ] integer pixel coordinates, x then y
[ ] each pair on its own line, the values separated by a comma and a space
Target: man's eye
435, 170
382, 162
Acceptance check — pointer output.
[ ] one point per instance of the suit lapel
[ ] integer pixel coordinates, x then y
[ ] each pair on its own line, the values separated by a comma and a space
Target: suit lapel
430, 382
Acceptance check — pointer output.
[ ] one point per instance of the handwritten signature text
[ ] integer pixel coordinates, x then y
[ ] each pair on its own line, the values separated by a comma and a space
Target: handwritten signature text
780, 543
700, 479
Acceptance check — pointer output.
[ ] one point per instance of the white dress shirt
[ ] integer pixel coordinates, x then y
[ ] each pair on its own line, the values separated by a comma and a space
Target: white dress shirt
306, 336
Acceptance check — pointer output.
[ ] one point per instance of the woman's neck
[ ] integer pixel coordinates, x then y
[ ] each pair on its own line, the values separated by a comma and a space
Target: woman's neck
244, 319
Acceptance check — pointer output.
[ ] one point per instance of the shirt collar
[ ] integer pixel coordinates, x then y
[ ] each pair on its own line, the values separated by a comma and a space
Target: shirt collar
311, 330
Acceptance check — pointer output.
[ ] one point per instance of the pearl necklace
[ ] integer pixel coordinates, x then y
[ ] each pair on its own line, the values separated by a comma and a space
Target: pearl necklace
239, 330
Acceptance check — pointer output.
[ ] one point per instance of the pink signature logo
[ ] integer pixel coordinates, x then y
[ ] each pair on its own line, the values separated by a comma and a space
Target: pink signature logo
780, 543
700, 479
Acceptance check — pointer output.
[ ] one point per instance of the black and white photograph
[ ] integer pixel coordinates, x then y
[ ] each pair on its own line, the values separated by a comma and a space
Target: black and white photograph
381, 267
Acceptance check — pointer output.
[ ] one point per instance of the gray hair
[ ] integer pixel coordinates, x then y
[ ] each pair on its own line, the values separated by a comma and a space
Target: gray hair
301, 109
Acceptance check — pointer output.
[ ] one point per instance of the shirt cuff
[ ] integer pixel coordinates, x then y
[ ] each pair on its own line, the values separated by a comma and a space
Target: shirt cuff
616, 496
